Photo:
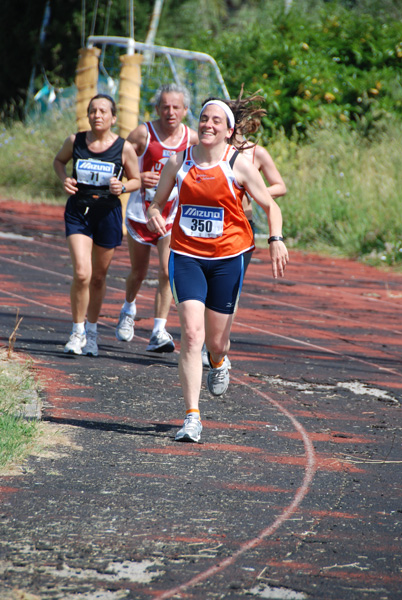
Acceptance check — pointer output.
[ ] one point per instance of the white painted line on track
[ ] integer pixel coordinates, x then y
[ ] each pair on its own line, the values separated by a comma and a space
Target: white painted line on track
302, 491
30, 301
15, 236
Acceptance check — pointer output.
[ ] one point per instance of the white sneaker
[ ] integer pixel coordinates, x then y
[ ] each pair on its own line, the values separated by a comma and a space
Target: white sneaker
125, 327
191, 430
218, 379
161, 342
75, 344
91, 347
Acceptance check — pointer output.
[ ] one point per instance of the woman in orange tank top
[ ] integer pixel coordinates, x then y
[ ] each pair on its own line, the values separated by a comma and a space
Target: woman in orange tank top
209, 237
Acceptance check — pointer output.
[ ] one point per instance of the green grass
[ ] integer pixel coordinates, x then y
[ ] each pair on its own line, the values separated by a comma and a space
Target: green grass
17, 434
27, 151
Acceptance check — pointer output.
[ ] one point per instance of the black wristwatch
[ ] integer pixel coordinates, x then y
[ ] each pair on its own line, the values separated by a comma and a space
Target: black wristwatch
275, 238
123, 189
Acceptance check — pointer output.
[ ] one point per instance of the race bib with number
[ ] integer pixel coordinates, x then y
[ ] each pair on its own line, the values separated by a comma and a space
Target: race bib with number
201, 221
94, 172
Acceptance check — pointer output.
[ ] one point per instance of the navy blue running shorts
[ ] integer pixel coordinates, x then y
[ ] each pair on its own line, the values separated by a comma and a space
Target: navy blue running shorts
215, 283
101, 223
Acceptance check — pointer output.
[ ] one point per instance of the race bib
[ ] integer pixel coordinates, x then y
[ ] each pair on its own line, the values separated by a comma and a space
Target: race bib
202, 221
94, 172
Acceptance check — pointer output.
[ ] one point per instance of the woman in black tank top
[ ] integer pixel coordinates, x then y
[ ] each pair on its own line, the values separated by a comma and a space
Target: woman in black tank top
93, 217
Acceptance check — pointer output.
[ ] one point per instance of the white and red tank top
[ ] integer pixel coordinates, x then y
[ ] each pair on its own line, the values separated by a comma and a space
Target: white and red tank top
210, 221
155, 156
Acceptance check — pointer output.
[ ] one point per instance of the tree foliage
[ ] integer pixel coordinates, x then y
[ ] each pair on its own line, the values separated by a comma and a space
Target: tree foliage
322, 60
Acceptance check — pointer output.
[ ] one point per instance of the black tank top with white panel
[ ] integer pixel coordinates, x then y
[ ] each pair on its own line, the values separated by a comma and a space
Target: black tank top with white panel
93, 170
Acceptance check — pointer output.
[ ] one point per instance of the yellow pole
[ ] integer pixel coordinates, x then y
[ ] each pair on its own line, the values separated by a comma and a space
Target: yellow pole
129, 93
86, 80
129, 102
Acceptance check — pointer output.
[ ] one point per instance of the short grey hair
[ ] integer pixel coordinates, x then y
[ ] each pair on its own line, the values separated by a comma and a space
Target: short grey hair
172, 87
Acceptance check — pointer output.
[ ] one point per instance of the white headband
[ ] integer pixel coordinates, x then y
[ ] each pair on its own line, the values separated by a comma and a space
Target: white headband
224, 107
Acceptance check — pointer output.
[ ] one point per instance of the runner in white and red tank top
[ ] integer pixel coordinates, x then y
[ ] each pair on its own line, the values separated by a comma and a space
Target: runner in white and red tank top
209, 237
154, 143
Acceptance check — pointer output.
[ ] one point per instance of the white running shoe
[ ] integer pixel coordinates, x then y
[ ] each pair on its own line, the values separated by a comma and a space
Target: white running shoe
91, 347
218, 379
125, 327
191, 430
75, 344
161, 342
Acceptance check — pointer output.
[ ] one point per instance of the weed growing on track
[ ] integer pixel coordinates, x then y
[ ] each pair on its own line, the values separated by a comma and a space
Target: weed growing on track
17, 434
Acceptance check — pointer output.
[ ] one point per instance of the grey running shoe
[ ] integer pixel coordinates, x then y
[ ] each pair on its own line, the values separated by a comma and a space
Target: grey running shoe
161, 342
191, 430
91, 347
125, 327
75, 344
218, 379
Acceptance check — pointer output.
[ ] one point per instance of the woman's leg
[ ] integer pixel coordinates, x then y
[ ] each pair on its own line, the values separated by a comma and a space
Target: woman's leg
217, 334
101, 259
80, 247
191, 313
163, 296
139, 261
217, 328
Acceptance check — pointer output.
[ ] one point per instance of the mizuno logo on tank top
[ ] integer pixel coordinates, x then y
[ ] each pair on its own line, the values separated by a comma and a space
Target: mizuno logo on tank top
202, 213
95, 165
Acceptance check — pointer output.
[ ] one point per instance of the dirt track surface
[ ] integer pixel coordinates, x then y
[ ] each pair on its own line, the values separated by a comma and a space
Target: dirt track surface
294, 492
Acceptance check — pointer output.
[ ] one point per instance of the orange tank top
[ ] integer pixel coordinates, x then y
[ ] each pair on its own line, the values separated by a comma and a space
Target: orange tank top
210, 221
